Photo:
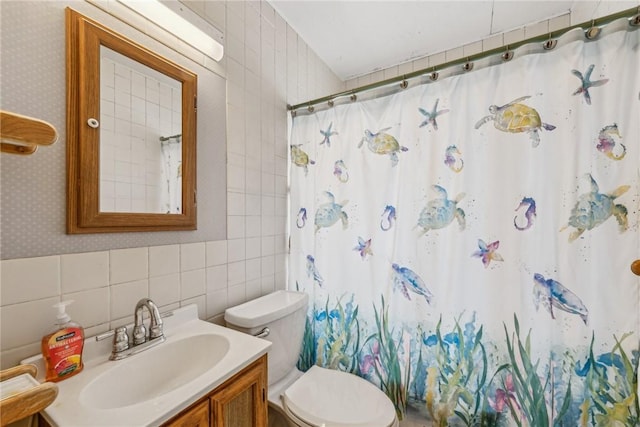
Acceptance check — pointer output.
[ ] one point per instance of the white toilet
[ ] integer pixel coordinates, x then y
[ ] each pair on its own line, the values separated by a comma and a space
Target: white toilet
318, 397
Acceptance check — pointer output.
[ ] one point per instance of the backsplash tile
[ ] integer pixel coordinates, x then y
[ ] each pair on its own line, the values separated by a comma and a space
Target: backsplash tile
90, 308
28, 279
200, 301
252, 204
216, 302
267, 265
216, 278
216, 253
84, 271
235, 227
253, 226
235, 203
253, 247
36, 318
127, 265
268, 245
164, 260
253, 289
193, 283
252, 269
268, 284
165, 290
236, 273
236, 250
236, 294
192, 256
125, 296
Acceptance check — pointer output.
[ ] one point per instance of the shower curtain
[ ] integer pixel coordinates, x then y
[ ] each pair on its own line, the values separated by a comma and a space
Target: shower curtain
171, 179
466, 242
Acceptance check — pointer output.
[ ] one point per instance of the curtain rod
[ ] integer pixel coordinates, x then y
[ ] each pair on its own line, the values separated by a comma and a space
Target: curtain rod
591, 32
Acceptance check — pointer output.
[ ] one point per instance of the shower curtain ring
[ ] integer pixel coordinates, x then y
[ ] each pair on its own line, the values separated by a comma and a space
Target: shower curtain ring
507, 55
468, 66
404, 83
550, 43
353, 97
311, 108
434, 75
330, 103
593, 32
634, 21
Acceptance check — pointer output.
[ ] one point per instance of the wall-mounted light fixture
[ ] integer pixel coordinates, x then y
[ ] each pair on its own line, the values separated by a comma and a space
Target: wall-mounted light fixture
182, 22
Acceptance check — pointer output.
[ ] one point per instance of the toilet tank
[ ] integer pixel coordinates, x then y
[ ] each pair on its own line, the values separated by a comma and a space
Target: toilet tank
284, 313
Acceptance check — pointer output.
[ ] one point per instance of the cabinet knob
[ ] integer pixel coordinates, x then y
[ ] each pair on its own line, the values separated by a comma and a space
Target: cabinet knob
635, 267
94, 123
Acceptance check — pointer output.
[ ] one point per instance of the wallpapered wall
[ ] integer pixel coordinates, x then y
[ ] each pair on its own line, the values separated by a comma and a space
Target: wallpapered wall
33, 199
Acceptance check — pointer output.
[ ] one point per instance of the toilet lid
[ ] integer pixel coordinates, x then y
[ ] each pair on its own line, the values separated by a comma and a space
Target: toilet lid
333, 398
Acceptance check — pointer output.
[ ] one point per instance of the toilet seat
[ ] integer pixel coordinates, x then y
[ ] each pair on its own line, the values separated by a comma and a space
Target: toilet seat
330, 398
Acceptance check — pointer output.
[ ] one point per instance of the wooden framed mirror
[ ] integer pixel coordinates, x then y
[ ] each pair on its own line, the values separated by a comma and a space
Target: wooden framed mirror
131, 134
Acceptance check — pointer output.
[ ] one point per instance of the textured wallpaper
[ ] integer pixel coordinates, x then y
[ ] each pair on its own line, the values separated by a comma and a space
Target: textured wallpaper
33, 188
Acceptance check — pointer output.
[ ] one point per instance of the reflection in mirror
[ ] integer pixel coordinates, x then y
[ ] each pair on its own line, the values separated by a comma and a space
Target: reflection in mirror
140, 137
131, 129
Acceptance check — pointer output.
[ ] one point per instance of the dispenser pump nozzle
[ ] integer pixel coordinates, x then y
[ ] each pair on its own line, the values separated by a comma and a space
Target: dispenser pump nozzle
62, 317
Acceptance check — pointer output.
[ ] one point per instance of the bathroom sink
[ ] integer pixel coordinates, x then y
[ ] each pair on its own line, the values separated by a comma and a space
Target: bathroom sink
155, 372
154, 385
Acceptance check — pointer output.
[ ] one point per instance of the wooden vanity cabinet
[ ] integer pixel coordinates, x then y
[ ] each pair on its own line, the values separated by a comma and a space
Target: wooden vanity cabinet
241, 401
194, 416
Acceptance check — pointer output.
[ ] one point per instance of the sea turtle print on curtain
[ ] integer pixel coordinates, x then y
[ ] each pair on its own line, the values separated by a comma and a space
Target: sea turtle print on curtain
492, 290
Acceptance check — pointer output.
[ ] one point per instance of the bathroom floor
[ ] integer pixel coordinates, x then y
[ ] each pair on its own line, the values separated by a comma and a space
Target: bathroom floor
414, 419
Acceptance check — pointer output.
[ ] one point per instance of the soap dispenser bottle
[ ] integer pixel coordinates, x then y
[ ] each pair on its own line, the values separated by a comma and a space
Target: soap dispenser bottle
62, 347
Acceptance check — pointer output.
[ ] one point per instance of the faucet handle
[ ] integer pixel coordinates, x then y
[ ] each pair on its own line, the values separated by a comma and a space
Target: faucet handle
155, 331
120, 340
139, 334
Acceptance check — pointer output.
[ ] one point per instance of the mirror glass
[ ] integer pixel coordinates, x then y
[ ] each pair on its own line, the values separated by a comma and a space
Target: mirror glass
131, 128
140, 137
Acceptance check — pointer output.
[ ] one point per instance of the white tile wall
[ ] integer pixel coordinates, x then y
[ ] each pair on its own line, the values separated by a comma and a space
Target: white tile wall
81, 272
164, 260
216, 278
124, 296
26, 280
25, 323
126, 265
192, 256
216, 253
164, 290
193, 283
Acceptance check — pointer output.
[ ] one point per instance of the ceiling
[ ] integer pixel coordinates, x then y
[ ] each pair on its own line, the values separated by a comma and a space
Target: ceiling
357, 37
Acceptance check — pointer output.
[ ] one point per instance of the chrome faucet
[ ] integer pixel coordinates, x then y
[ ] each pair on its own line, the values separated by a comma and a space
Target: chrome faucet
155, 323
121, 346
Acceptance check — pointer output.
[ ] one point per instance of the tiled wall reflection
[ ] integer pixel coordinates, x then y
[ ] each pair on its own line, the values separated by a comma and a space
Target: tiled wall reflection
138, 107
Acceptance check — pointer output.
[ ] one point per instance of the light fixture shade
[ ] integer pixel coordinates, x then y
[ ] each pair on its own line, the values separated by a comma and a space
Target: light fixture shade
182, 22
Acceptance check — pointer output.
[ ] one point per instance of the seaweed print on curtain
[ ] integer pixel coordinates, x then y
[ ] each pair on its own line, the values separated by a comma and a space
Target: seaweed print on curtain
466, 243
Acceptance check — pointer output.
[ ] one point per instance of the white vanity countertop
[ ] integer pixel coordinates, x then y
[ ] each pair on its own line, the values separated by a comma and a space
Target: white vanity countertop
70, 409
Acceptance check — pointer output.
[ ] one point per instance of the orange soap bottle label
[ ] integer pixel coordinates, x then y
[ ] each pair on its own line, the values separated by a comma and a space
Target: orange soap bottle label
63, 350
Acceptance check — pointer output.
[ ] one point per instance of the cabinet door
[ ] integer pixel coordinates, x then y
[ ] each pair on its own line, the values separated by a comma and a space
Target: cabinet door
197, 416
242, 401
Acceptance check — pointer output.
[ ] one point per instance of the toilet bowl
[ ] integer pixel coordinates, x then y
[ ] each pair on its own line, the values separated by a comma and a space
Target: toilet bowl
320, 396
